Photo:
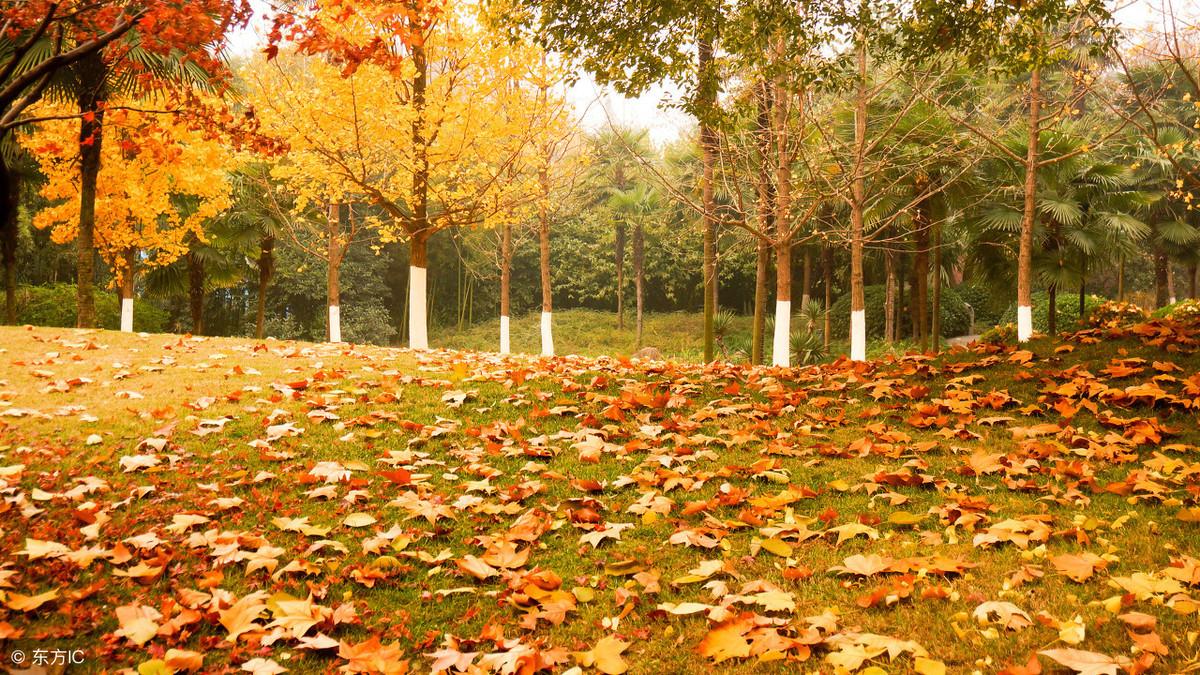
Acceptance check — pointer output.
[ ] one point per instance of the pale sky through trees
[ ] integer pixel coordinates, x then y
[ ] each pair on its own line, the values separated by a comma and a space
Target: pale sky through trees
651, 110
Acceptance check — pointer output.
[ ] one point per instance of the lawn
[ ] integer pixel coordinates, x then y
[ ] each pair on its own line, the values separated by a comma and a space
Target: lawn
182, 504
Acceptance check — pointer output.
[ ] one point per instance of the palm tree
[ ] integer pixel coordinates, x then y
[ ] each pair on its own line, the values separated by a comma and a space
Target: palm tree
633, 207
619, 154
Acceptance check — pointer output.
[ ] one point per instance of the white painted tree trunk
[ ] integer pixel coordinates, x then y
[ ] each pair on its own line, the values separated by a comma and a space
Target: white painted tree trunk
126, 315
504, 342
547, 335
780, 347
335, 323
418, 337
858, 335
1024, 323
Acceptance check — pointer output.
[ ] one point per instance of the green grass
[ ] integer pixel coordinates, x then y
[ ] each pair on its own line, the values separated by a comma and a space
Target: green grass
678, 335
585, 332
688, 433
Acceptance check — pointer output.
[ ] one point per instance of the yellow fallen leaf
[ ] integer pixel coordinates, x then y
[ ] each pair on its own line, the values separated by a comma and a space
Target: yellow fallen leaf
777, 546
359, 520
927, 666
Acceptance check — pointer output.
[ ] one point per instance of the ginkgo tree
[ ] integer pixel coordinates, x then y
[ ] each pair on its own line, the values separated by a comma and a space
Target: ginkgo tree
421, 139
160, 180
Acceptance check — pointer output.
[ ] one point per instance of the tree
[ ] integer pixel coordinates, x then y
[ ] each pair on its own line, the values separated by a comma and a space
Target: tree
160, 181
632, 44
1026, 39
633, 206
618, 153
81, 52
430, 163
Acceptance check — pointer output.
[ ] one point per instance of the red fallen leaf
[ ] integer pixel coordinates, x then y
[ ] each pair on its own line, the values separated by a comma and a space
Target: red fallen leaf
798, 573
1032, 667
373, 657
587, 485
585, 515
398, 476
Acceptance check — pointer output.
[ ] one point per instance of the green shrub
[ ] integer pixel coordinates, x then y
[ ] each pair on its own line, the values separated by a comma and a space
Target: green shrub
1068, 310
54, 305
807, 347
956, 318
369, 324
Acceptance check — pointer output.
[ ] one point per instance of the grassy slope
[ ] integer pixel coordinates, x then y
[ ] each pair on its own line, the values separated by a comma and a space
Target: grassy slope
808, 427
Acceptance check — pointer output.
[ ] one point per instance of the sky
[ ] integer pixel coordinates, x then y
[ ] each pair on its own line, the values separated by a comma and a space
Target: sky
599, 108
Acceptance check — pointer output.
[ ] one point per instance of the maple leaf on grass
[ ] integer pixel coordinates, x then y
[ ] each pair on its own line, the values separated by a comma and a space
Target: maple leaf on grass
605, 656
1002, 613
1080, 567
261, 666
371, 656
476, 567
1087, 663
240, 617
138, 623
727, 639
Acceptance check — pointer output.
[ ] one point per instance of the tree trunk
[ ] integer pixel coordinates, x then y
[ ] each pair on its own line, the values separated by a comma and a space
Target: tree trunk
418, 256
1121, 279
620, 253
92, 76
419, 230
858, 315
922, 221
1160, 279
827, 260
1192, 272
335, 250
266, 268
1082, 297
1029, 213
196, 292
766, 220
1052, 309
505, 285
1170, 282
708, 149
889, 295
544, 264
781, 345
761, 272
10, 198
936, 311
639, 264
806, 279
127, 279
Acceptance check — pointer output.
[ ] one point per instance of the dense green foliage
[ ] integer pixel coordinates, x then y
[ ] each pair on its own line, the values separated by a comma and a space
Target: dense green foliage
54, 305
955, 315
